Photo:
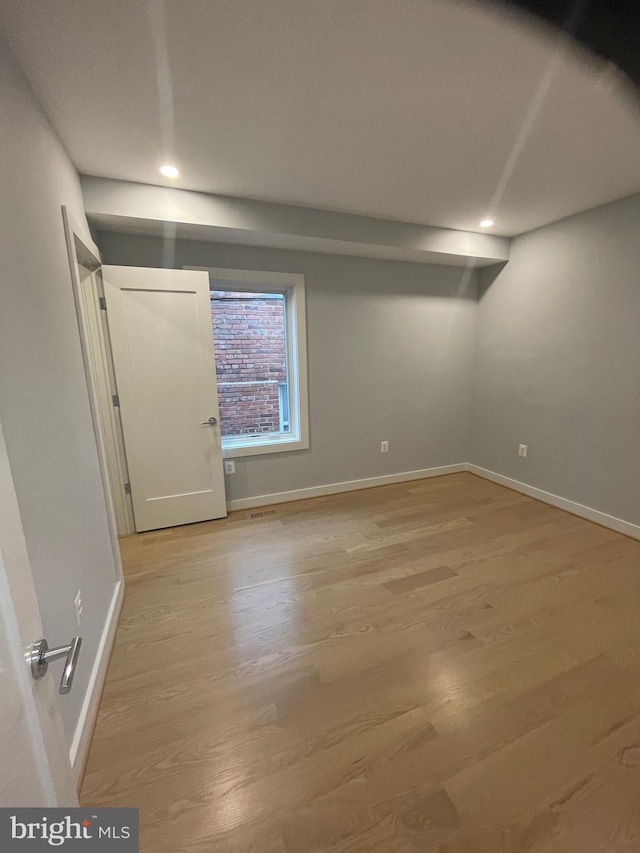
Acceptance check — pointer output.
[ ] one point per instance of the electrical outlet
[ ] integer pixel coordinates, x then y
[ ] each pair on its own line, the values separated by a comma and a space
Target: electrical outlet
77, 604
384, 447
522, 449
229, 466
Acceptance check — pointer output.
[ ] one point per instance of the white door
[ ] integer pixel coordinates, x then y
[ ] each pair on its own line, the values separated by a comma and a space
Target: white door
35, 769
162, 342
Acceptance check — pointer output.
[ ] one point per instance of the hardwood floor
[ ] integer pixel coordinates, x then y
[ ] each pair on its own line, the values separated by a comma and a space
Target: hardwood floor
443, 665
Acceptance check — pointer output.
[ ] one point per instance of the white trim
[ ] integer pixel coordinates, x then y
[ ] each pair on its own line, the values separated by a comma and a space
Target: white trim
267, 443
73, 227
610, 521
244, 279
114, 493
79, 750
293, 285
347, 486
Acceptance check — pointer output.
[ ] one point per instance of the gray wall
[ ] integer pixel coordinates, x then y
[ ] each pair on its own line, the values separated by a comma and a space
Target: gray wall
558, 361
222, 219
44, 407
393, 355
390, 357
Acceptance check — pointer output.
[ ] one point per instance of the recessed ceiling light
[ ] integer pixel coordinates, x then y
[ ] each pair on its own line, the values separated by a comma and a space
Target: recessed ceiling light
169, 171
486, 223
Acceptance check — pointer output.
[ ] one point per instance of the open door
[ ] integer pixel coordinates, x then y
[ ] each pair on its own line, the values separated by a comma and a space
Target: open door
35, 763
162, 343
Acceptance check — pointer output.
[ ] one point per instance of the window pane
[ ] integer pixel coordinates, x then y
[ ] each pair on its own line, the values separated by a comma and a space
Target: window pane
251, 362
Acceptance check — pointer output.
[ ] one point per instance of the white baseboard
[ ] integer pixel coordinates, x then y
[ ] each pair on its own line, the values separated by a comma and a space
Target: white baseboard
348, 486
611, 521
617, 524
82, 737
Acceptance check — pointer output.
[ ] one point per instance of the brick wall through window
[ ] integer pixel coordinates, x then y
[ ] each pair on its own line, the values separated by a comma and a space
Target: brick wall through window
250, 348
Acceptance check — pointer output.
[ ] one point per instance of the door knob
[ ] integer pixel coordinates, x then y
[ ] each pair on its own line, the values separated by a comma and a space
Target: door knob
41, 656
210, 422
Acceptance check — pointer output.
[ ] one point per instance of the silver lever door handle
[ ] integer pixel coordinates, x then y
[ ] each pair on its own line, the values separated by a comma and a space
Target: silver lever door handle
41, 656
210, 422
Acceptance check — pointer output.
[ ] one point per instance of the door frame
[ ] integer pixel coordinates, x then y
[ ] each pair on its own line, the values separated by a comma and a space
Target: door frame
95, 354
80, 247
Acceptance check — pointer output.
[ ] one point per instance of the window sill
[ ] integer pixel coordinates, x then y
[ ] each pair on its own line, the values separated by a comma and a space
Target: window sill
258, 447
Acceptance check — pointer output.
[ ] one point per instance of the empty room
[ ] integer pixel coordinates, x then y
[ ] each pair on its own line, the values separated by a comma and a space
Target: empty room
320, 426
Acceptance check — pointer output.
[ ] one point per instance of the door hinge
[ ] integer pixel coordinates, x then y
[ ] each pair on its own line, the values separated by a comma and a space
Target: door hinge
127, 488
116, 400
103, 303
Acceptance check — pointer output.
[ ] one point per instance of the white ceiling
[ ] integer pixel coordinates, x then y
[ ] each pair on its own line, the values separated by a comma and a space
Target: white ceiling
418, 110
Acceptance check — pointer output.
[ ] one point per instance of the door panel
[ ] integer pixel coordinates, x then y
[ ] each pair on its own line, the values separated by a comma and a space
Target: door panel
35, 769
162, 340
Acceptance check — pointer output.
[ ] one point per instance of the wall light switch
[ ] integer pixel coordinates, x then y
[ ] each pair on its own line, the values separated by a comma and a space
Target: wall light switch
77, 604
229, 466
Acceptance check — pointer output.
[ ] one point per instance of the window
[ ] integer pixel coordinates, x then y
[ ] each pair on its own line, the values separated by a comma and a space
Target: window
260, 349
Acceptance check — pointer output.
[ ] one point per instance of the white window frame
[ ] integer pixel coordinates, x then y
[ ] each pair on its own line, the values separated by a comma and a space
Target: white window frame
292, 285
